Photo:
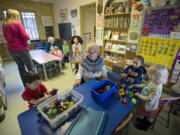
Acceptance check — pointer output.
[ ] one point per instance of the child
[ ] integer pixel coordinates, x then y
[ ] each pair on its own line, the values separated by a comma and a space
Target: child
134, 73
57, 52
35, 92
66, 51
150, 95
76, 42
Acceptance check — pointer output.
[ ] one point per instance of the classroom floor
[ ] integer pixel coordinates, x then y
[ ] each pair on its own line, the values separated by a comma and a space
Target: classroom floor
16, 105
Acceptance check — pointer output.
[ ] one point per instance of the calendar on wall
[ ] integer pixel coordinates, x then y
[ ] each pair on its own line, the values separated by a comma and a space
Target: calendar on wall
159, 51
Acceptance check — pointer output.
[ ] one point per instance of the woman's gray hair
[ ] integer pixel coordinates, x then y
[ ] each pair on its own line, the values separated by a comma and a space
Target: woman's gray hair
51, 38
92, 46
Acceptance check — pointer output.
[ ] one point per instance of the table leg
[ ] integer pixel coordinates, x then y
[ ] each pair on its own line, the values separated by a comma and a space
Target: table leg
45, 73
60, 67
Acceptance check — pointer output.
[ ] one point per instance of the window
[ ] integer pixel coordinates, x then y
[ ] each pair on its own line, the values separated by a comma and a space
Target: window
30, 25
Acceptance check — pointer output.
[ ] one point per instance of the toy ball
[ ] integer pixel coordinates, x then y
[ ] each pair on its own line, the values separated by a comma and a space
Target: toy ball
134, 101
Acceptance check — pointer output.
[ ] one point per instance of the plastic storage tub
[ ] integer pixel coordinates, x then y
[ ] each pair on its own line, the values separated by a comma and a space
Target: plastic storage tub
102, 97
59, 119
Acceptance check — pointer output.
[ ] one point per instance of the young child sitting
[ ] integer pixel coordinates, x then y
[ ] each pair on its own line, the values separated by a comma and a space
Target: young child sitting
150, 95
35, 92
66, 51
76, 42
134, 73
57, 52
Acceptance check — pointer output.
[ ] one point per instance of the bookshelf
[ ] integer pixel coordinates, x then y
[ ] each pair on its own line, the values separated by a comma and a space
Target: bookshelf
116, 28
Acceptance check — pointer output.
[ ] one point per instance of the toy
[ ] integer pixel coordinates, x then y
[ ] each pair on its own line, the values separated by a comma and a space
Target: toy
131, 94
106, 88
53, 91
134, 101
121, 92
124, 86
128, 80
125, 101
58, 106
118, 85
127, 92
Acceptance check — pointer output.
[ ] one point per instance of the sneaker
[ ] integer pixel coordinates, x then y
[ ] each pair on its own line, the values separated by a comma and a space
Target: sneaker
141, 120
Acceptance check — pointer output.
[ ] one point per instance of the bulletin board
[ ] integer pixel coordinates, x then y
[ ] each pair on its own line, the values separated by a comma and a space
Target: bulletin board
161, 21
159, 51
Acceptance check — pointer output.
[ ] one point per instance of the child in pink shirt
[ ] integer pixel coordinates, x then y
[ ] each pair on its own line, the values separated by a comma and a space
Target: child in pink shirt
57, 52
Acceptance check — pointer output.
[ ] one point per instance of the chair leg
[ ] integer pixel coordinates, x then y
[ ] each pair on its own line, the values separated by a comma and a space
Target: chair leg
169, 114
154, 121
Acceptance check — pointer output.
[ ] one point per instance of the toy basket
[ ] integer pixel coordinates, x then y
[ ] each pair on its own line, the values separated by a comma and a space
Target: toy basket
60, 118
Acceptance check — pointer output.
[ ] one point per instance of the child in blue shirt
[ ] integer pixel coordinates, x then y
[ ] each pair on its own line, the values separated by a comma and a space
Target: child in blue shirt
135, 72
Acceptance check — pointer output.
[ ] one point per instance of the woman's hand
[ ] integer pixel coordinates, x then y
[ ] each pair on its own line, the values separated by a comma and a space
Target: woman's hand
77, 83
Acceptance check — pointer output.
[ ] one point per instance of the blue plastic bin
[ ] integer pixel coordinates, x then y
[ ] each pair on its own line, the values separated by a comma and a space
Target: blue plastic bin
102, 97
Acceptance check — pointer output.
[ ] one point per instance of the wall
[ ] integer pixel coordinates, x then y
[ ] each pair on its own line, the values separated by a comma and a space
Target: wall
89, 20
40, 9
69, 4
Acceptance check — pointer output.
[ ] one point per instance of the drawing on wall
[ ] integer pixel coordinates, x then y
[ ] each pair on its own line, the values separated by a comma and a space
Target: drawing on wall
161, 22
74, 13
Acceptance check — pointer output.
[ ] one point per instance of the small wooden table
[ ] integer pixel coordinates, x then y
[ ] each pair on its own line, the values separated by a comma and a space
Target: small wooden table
42, 57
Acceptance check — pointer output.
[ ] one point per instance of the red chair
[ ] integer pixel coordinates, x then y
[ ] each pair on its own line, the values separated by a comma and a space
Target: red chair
166, 105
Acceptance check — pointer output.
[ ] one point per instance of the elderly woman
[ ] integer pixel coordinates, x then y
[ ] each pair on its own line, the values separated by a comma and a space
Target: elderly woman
50, 46
91, 66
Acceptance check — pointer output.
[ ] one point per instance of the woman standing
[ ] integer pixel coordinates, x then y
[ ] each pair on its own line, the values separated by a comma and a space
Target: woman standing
17, 38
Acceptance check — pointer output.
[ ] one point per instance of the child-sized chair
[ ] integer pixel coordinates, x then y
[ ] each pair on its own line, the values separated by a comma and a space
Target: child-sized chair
166, 105
52, 68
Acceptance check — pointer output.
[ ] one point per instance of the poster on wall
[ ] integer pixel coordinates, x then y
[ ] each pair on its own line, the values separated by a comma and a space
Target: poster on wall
160, 23
100, 21
63, 15
74, 13
135, 25
75, 25
99, 36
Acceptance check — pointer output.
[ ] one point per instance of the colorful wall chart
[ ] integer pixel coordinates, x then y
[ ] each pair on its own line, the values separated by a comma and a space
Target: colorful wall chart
161, 21
159, 51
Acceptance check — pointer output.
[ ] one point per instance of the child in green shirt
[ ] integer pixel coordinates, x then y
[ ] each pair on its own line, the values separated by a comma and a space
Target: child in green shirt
66, 51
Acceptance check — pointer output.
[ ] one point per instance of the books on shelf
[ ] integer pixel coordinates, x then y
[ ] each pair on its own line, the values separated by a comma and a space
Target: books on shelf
115, 35
118, 48
117, 22
108, 46
108, 34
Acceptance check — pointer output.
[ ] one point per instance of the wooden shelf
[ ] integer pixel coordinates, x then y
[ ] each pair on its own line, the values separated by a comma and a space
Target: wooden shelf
117, 28
117, 14
114, 52
123, 41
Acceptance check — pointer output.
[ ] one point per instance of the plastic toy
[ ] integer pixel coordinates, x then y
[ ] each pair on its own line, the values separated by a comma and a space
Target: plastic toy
131, 94
130, 86
124, 86
128, 80
57, 107
127, 92
53, 91
106, 88
121, 92
118, 85
125, 101
134, 101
